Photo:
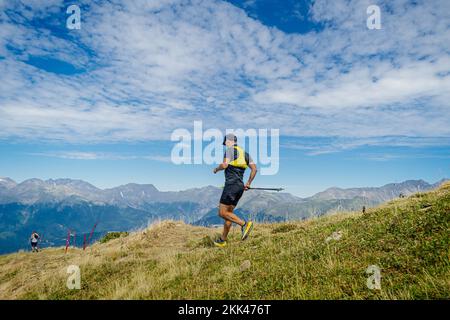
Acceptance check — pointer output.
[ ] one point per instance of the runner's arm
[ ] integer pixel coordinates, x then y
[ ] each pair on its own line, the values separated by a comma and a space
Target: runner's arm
226, 160
222, 166
252, 175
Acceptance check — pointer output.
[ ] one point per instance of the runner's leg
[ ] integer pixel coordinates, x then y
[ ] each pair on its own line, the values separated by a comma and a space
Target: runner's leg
226, 229
226, 212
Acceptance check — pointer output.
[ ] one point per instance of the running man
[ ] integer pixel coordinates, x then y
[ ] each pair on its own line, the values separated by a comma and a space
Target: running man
235, 161
34, 241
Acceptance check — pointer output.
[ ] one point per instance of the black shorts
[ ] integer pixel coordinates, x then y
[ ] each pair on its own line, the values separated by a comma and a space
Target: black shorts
34, 244
231, 194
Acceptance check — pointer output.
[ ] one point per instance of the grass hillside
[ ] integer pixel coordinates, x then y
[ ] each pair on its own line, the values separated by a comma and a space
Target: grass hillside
408, 239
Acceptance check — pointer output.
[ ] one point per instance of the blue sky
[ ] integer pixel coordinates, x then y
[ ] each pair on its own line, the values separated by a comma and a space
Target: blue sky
355, 107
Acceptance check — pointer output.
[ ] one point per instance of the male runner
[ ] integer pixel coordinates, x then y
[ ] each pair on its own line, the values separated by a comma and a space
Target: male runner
235, 161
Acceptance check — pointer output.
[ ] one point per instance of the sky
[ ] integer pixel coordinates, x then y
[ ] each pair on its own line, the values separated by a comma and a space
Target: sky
354, 106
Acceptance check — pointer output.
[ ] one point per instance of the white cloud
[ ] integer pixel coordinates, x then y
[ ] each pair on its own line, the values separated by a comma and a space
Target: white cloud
315, 147
160, 65
83, 155
79, 155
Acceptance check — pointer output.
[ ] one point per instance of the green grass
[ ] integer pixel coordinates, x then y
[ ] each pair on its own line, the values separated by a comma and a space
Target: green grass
408, 239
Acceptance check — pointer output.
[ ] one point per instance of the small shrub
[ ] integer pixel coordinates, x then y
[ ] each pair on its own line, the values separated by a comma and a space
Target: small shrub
113, 235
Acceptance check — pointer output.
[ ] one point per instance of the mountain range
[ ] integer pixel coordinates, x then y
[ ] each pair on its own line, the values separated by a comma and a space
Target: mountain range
54, 206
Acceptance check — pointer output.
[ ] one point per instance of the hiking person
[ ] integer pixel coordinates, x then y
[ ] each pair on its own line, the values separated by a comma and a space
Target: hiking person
34, 241
235, 161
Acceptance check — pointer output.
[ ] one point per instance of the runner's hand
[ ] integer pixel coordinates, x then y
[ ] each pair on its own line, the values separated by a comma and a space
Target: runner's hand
247, 186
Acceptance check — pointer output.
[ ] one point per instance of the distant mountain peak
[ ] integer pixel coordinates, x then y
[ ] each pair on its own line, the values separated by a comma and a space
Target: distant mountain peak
137, 186
438, 183
378, 194
79, 184
7, 182
32, 181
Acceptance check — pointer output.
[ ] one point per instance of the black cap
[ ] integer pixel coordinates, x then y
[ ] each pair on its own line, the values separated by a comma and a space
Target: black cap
229, 137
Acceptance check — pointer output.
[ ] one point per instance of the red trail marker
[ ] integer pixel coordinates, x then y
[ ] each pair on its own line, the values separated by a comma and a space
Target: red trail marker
68, 240
92, 232
84, 242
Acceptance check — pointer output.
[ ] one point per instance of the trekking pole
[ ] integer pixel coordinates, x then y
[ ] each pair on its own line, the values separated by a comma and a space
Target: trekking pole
267, 189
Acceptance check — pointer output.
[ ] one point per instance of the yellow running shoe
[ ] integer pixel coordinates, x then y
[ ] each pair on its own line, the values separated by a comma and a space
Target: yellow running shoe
220, 243
246, 228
